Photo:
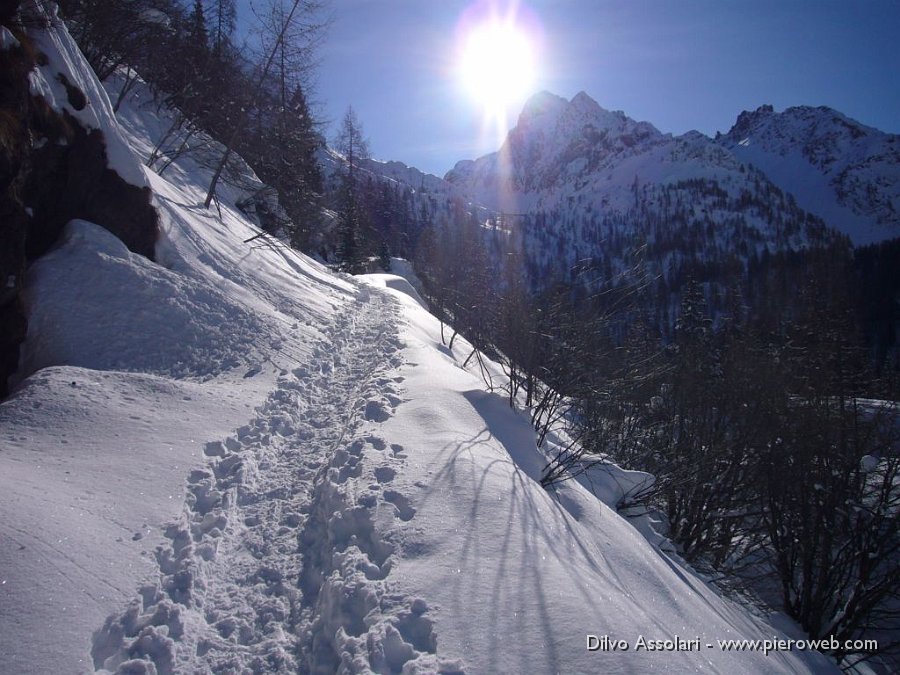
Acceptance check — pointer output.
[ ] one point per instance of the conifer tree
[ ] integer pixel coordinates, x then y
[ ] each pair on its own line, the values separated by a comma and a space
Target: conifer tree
197, 33
288, 163
282, 30
222, 20
354, 147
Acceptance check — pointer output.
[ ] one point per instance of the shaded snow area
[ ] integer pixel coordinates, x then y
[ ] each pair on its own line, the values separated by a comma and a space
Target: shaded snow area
237, 462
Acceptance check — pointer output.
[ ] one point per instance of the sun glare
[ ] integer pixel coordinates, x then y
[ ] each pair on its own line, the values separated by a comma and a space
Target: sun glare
496, 62
497, 67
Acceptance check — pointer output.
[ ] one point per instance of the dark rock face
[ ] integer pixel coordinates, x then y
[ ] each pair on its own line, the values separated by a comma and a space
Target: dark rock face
52, 170
15, 165
72, 181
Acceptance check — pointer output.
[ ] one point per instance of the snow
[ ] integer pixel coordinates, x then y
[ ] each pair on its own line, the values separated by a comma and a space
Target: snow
813, 191
397, 283
66, 62
92, 464
868, 463
564, 152
202, 335
518, 563
579, 164
236, 461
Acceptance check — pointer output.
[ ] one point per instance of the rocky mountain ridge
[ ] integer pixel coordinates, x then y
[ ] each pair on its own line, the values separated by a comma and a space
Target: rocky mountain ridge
843, 171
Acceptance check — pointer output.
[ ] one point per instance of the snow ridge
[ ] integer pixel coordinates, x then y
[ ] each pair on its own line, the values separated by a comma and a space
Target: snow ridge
313, 593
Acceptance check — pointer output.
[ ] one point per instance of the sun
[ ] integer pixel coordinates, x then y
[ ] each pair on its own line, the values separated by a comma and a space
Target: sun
497, 63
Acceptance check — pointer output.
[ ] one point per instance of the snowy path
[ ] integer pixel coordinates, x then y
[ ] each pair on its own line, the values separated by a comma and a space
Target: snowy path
276, 564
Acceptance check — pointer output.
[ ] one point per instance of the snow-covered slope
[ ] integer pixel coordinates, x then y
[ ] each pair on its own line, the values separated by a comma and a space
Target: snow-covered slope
236, 461
843, 171
424, 188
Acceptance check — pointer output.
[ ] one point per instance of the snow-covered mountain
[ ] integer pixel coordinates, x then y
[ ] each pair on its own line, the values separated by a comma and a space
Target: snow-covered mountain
592, 185
234, 460
399, 202
425, 187
843, 171
556, 146
577, 158
332, 164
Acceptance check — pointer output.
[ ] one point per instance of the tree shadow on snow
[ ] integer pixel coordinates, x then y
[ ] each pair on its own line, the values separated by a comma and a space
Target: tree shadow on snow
522, 536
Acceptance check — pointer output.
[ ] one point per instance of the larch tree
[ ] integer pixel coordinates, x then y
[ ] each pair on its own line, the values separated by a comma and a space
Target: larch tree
353, 146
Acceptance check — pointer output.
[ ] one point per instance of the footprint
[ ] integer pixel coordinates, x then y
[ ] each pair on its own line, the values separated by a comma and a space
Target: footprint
384, 474
404, 510
292, 520
205, 497
417, 629
229, 466
206, 525
376, 412
376, 442
214, 449
199, 476
352, 469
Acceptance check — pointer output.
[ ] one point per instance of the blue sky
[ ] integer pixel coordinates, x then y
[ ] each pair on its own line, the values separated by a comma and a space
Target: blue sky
679, 64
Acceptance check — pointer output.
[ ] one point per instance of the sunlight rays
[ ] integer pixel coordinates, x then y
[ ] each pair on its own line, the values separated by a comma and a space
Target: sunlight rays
497, 55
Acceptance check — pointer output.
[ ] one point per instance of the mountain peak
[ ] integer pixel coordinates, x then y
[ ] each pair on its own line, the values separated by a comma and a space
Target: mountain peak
582, 100
547, 104
542, 103
554, 140
547, 111
749, 119
802, 121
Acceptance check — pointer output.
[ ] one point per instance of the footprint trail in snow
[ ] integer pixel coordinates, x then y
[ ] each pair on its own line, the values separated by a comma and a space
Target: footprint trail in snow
276, 564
